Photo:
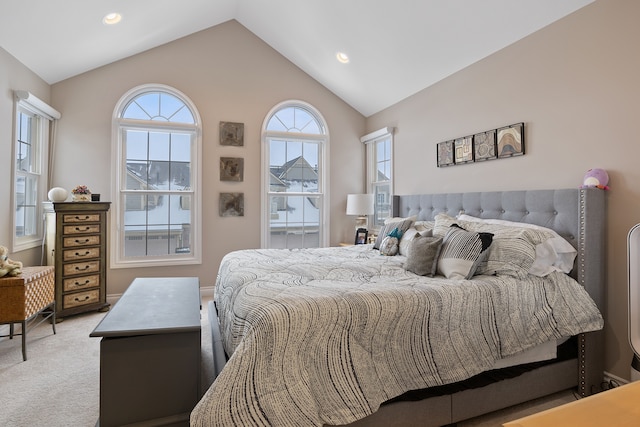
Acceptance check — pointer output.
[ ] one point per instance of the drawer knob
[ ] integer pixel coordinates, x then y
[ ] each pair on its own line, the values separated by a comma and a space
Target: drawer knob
82, 241
83, 229
84, 254
86, 282
86, 267
80, 218
86, 297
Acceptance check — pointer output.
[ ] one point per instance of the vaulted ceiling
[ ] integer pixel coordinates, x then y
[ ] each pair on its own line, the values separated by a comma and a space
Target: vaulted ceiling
396, 47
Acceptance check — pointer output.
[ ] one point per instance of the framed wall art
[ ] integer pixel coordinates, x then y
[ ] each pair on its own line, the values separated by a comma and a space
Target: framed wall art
463, 150
445, 153
510, 140
484, 146
231, 169
504, 142
232, 133
231, 204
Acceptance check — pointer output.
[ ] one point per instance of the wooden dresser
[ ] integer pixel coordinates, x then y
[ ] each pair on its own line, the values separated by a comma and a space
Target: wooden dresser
79, 253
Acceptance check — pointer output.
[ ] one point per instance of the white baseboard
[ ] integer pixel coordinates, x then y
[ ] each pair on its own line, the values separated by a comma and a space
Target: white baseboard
609, 378
206, 292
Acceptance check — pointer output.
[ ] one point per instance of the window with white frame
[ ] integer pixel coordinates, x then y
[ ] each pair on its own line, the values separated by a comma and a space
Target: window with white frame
379, 148
30, 168
157, 157
294, 182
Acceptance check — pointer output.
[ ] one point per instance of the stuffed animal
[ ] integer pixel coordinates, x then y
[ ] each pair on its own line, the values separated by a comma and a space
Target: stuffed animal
391, 244
8, 267
598, 178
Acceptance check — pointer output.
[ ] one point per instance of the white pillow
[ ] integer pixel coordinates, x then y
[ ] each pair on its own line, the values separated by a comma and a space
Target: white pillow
552, 254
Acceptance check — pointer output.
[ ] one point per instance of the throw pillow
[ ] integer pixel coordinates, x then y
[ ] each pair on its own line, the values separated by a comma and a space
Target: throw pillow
422, 258
461, 252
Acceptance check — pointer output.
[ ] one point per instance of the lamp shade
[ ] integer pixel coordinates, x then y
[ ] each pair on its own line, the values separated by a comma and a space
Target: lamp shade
360, 204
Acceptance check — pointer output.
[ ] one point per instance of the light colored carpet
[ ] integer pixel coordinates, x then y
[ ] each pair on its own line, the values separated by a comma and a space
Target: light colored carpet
59, 384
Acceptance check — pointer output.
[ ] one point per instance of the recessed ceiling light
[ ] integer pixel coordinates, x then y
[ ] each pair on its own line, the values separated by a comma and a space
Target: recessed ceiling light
342, 57
112, 18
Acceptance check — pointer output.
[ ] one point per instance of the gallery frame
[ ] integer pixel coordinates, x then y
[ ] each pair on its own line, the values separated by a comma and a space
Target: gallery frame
232, 133
503, 142
361, 236
445, 154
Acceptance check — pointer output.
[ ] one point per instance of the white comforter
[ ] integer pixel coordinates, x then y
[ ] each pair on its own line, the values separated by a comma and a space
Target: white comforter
324, 336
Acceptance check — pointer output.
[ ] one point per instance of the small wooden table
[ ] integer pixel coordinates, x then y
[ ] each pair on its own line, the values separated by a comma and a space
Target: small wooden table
24, 297
150, 353
616, 407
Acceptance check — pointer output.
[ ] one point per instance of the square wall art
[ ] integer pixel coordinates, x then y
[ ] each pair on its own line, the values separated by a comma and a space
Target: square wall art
232, 133
231, 204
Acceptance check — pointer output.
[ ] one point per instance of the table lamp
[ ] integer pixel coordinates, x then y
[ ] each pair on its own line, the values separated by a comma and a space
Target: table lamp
362, 206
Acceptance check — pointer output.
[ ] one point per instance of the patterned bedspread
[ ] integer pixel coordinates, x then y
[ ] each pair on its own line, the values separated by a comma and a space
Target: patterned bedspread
324, 336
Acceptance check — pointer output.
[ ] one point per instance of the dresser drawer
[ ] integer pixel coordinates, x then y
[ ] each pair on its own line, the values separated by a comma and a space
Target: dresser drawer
80, 254
82, 282
79, 241
76, 218
80, 298
81, 268
81, 229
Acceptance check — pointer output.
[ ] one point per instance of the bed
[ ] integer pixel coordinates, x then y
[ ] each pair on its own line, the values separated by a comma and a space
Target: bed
335, 336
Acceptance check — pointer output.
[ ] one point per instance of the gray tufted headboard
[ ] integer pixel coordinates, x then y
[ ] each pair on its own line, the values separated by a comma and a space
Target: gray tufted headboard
578, 215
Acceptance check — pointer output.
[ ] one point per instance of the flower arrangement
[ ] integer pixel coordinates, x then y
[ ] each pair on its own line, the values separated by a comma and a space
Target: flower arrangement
81, 189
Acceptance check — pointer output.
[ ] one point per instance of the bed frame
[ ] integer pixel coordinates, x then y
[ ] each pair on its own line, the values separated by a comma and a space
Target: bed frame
579, 216
576, 214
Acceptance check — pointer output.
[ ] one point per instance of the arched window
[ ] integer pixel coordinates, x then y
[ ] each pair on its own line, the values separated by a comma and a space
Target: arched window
294, 182
157, 146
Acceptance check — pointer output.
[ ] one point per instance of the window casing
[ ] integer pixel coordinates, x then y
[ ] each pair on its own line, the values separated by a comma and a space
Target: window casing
30, 169
156, 210
379, 152
294, 181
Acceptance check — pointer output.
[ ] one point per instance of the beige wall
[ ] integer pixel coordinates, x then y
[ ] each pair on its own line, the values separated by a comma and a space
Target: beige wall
576, 86
230, 75
14, 76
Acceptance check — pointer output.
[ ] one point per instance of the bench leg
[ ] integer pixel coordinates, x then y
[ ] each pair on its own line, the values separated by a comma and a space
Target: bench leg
53, 316
24, 340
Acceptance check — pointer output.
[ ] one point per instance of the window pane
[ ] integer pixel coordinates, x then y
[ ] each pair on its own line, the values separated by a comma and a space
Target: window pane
158, 146
163, 228
136, 145
294, 119
158, 106
382, 203
26, 191
180, 147
294, 221
25, 143
294, 165
180, 176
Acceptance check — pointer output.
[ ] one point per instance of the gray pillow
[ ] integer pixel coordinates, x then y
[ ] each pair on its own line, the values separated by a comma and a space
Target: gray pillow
422, 258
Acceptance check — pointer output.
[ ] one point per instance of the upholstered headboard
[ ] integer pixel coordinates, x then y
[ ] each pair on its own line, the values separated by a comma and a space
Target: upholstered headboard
578, 215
